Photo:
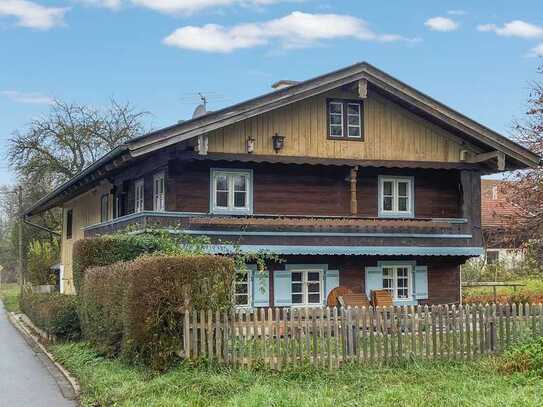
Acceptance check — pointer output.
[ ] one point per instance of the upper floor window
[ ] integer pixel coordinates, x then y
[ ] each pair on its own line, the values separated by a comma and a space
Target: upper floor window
397, 280
345, 119
69, 223
231, 191
396, 196
139, 196
158, 192
104, 208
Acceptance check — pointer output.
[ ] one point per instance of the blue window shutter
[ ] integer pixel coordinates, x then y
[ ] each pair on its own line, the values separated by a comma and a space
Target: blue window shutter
421, 282
374, 279
332, 281
261, 289
282, 288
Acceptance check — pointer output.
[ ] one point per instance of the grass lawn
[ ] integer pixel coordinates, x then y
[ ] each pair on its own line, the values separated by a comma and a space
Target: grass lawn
9, 294
110, 382
533, 289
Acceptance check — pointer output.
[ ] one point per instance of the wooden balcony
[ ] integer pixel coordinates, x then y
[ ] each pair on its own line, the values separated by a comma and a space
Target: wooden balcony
299, 230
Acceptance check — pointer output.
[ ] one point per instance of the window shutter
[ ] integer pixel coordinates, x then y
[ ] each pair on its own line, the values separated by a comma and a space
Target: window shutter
261, 289
374, 279
421, 282
282, 288
332, 281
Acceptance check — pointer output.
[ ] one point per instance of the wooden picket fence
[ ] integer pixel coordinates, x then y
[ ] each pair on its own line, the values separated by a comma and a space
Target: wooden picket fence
328, 337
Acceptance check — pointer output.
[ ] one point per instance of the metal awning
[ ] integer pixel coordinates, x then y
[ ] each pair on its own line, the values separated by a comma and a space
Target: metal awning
348, 250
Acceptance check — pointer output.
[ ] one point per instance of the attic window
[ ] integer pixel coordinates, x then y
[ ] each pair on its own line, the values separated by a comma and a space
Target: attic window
345, 119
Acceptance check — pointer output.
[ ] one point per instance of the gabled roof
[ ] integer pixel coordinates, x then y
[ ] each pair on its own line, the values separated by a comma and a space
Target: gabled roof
477, 134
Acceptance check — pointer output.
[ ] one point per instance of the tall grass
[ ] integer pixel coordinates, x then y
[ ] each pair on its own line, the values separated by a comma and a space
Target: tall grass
110, 382
9, 294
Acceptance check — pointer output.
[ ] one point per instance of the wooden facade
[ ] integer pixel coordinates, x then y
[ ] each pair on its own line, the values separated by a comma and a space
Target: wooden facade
313, 194
390, 133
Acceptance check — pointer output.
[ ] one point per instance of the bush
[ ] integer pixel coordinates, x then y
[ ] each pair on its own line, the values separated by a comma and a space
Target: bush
106, 250
40, 257
56, 314
135, 308
526, 357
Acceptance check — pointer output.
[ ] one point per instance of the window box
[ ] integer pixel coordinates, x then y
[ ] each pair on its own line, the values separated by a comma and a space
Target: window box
231, 191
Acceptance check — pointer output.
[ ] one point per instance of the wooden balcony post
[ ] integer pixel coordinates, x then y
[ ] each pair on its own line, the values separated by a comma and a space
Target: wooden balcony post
354, 180
470, 182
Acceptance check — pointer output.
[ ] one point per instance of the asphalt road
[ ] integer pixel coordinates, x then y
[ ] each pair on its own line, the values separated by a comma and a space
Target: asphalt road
24, 379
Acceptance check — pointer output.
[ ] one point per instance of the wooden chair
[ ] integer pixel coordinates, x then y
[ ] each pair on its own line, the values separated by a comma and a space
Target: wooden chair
332, 299
381, 298
354, 300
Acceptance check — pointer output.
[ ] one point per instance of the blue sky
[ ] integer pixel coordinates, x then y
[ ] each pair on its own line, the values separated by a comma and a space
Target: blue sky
477, 57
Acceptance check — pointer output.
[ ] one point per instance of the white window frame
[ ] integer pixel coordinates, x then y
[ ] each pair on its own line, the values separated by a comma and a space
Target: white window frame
394, 278
341, 104
305, 293
139, 196
395, 212
249, 283
359, 126
230, 208
159, 198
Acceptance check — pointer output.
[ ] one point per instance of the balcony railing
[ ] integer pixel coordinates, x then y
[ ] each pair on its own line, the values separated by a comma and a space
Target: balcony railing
286, 226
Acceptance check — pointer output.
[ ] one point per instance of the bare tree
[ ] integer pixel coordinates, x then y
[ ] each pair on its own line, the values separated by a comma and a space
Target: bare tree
70, 138
525, 192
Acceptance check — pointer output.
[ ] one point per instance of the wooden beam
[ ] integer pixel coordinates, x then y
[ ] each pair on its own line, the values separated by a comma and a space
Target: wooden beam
501, 161
353, 181
363, 88
497, 155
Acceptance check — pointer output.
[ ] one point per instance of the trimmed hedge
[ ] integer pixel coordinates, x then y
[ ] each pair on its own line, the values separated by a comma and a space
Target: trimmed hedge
56, 314
135, 308
106, 250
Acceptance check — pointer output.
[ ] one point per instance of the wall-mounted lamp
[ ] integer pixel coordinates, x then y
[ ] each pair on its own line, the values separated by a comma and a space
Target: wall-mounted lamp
250, 144
278, 142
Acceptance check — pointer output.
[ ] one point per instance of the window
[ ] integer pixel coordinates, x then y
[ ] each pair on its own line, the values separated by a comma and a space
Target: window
69, 223
231, 191
345, 119
139, 196
242, 289
397, 280
306, 287
104, 208
158, 192
396, 196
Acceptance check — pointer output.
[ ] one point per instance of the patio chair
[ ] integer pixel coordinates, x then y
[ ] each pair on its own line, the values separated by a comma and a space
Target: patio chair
332, 299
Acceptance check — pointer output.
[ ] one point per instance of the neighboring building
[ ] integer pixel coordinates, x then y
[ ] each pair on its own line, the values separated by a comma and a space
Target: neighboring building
353, 177
497, 211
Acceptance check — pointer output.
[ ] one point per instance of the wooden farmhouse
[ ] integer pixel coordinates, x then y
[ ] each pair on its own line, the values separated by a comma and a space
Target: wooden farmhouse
353, 178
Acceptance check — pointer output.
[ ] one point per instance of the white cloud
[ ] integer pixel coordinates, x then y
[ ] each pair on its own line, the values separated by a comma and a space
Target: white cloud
26, 97
294, 30
443, 24
537, 51
111, 4
516, 28
192, 6
33, 15
457, 12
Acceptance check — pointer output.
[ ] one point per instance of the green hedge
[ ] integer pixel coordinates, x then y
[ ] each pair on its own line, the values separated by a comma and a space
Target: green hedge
135, 308
106, 250
56, 313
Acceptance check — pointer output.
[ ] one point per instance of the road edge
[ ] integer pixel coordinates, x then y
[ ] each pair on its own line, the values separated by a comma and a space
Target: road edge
68, 384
